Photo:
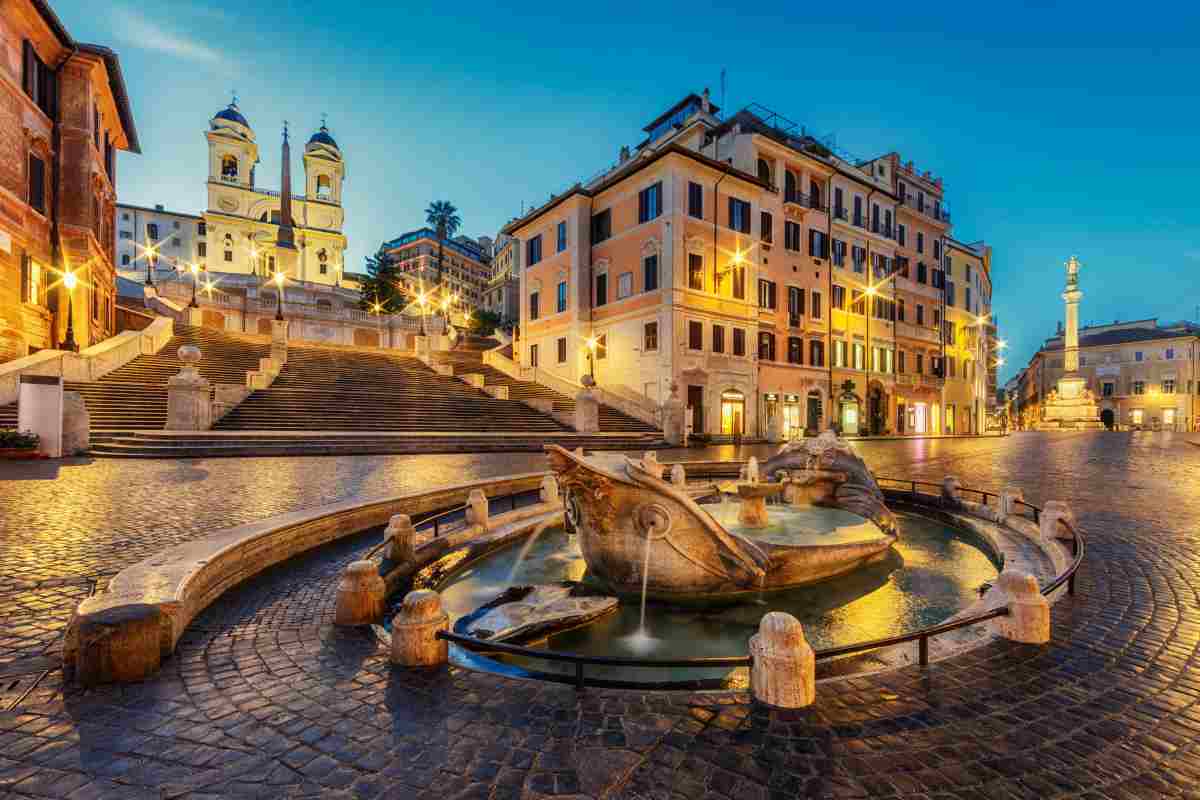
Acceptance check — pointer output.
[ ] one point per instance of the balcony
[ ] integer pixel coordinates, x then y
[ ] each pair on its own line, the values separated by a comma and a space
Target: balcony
803, 201
935, 212
840, 213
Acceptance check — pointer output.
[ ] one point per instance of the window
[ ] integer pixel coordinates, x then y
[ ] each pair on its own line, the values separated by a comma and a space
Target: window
919, 363
533, 251
1170, 354
859, 256
1107, 389
533, 305
937, 318
1139, 387
561, 236
765, 233
838, 298
739, 283
922, 272
650, 336
839, 206
966, 298
560, 303
766, 294
791, 236
1168, 386
839, 353
766, 346
795, 350
739, 342
601, 346
39, 81
124, 259
562, 350
650, 203
202, 249
818, 244
37, 184
839, 253
533, 355
815, 304
814, 194
920, 241
696, 272
650, 273
1137, 356
695, 200
859, 353
902, 233
795, 302
900, 369
816, 353
229, 255
937, 250
739, 215
950, 293
624, 285
902, 266
31, 281
229, 167
764, 171
695, 335
718, 339
601, 226
601, 289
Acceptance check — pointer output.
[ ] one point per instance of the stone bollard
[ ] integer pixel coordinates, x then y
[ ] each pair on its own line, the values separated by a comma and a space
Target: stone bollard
1008, 503
477, 508
279, 339
678, 476
1028, 618
784, 672
548, 493
360, 595
1052, 513
674, 418
189, 407
401, 537
587, 411
414, 631
950, 492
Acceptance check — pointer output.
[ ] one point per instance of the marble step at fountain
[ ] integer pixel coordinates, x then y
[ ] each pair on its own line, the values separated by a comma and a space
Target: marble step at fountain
526, 613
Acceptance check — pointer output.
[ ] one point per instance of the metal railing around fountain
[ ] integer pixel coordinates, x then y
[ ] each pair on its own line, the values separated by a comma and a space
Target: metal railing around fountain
921, 637
436, 520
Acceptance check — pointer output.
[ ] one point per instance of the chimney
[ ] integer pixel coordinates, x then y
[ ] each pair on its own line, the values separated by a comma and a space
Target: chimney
1059, 332
624, 156
705, 105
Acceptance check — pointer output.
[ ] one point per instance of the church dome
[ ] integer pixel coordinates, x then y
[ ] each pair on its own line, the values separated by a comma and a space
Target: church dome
231, 114
322, 137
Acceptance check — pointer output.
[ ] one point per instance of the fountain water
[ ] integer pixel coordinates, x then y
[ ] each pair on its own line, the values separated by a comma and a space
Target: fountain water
529, 543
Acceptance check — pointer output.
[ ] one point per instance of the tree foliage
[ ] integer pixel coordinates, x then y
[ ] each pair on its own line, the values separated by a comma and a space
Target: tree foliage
382, 284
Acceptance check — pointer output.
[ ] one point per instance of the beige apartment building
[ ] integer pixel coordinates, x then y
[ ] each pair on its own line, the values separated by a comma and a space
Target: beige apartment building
466, 265
779, 286
1143, 374
501, 295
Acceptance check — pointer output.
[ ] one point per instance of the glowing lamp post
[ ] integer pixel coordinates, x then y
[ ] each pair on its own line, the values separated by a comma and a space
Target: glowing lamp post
150, 251
376, 309
69, 280
195, 270
423, 302
279, 297
592, 344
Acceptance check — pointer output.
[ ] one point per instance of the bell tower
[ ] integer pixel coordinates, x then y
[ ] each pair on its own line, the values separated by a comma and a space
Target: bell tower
324, 169
232, 151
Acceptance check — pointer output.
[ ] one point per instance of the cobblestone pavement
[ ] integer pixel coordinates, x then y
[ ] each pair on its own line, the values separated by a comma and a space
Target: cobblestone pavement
264, 697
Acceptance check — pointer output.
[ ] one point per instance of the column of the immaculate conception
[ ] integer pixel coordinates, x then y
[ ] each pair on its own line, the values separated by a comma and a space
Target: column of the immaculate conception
1071, 405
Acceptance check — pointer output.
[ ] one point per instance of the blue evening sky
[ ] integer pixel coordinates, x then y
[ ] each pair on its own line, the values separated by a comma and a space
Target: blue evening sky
1059, 128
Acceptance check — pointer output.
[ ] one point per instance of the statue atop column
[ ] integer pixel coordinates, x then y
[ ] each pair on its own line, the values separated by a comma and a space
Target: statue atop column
1070, 405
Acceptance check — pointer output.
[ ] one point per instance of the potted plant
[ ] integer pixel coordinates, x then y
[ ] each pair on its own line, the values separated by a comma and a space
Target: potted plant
15, 444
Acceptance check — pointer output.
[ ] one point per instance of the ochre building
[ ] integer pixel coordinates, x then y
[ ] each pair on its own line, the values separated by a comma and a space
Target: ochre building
64, 115
779, 286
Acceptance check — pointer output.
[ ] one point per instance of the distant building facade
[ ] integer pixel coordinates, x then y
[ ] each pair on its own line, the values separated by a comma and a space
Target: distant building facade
181, 238
466, 265
502, 293
65, 114
1143, 375
778, 285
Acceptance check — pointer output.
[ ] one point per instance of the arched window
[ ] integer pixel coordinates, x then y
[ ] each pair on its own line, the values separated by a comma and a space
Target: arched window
814, 194
764, 170
324, 187
789, 186
229, 167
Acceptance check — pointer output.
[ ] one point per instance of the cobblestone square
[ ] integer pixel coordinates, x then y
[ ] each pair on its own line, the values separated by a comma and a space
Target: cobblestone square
265, 697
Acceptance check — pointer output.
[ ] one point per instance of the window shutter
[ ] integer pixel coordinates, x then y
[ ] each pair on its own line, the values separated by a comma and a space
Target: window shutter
29, 73
642, 197
25, 298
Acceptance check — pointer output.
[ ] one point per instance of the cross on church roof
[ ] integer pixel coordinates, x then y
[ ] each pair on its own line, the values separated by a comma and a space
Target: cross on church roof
323, 119
233, 92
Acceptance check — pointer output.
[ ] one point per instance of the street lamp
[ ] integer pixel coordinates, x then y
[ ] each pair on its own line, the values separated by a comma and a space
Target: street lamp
279, 296
150, 253
195, 270
592, 344
375, 309
69, 280
423, 302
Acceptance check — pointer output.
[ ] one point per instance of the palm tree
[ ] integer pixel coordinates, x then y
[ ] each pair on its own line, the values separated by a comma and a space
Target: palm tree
443, 216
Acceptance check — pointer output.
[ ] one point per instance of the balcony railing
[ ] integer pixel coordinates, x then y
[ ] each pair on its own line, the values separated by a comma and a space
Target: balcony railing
937, 212
801, 199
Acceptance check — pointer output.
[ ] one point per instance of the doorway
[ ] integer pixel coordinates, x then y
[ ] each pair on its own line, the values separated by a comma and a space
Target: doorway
918, 417
791, 417
695, 400
1107, 417
849, 417
733, 413
814, 411
901, 416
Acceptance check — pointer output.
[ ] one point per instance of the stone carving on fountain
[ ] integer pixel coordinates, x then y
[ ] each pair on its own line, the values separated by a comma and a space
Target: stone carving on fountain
639, 533
825, 471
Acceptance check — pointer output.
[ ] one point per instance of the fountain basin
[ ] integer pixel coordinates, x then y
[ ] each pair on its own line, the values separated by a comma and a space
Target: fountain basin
641, 535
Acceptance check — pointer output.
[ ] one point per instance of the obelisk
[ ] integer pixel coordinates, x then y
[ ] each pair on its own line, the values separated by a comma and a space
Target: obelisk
1071, 385
286, 257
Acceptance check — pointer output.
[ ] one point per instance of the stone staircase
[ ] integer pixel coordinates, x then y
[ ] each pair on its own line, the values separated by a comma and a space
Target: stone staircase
466, 361
326, 389
134, 397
